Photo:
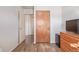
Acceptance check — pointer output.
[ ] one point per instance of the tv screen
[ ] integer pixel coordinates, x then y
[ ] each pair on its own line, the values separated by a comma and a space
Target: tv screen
72, 26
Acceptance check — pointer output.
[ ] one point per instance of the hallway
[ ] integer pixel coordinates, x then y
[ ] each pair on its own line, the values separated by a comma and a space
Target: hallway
28, 46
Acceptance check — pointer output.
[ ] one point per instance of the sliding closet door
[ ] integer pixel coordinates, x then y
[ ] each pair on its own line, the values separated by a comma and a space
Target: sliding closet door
43, 26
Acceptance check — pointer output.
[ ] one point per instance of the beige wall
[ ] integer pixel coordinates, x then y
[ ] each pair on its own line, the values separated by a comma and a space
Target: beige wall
28, 11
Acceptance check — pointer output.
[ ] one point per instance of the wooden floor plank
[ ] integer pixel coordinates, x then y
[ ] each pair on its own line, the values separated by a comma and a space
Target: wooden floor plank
28, 46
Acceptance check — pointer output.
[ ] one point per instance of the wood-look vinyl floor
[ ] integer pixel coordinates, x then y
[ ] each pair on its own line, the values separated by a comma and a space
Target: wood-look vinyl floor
28, 46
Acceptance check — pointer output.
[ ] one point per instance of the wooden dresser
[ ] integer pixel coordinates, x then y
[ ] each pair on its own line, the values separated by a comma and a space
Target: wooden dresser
69, 42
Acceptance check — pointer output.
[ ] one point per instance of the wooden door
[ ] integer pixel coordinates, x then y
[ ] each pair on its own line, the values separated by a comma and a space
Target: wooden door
43, 26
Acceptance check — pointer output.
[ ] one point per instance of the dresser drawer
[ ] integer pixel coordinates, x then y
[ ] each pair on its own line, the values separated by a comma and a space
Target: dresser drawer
67, 46
64, 47
70, 39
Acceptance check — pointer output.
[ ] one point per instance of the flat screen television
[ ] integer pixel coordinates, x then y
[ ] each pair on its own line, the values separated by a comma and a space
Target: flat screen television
72, 26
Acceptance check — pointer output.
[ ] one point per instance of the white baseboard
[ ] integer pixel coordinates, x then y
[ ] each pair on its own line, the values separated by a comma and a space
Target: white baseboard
13, 48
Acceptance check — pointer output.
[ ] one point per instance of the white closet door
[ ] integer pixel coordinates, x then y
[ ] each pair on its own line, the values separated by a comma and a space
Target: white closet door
28, 25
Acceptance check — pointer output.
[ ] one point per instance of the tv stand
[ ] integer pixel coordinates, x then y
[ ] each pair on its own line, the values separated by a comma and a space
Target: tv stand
69, 42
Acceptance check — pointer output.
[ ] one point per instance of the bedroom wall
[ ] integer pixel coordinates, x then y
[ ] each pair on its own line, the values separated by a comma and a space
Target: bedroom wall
8, 28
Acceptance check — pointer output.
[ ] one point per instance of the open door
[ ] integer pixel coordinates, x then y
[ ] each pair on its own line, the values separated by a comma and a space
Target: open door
42, 26
21, 26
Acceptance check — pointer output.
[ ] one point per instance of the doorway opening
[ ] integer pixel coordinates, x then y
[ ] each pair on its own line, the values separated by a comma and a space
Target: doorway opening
29, 29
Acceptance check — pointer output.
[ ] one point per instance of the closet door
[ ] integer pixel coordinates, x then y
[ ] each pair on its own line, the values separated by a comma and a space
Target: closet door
43, 26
